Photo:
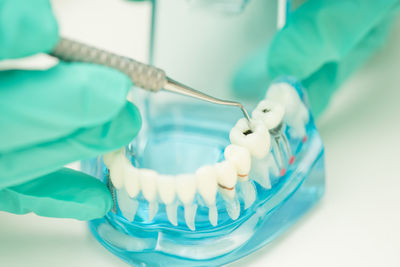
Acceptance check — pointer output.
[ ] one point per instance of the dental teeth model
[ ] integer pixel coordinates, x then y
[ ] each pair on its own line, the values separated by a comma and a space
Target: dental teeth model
259, 152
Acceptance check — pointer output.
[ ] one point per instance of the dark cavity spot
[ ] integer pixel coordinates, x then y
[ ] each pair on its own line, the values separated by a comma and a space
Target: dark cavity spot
266, 110
248, 132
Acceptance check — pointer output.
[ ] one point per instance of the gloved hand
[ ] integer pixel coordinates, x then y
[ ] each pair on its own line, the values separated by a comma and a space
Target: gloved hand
322, 43
49, 118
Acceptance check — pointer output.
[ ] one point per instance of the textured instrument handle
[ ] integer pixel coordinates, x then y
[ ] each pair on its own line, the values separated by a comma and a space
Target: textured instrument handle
142, 75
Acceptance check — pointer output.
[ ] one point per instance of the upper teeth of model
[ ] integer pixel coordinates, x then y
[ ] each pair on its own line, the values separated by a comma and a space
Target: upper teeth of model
250, 150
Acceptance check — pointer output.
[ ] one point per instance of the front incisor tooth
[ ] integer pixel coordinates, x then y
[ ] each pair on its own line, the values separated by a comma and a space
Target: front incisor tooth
148, 183
118, 170
186, 187
172, 215
256, 139
127, 205
206, 179
166, 188
132, 183
241, 159
109, 157
226, 177
190, 216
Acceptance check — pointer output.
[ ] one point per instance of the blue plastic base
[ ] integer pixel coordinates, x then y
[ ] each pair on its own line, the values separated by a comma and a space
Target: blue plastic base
179, 139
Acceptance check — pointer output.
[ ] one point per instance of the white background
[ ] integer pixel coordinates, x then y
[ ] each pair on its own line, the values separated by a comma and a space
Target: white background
357, 222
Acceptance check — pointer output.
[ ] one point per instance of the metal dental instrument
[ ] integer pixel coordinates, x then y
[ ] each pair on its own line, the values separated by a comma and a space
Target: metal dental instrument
142, 75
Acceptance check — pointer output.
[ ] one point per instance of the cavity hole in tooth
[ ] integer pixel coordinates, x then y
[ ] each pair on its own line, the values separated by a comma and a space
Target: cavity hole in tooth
266, 110
249, 131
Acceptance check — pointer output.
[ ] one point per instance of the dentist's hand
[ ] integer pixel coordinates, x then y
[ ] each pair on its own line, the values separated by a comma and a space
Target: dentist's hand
49, 118
322, 43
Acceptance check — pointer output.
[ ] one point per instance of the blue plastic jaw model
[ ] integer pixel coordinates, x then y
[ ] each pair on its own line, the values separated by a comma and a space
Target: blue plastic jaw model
196, 189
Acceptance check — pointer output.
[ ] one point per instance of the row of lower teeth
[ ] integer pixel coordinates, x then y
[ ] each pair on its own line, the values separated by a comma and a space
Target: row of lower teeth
251, 145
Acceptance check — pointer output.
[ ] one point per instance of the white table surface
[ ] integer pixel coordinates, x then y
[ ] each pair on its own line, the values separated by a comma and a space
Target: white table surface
357, 222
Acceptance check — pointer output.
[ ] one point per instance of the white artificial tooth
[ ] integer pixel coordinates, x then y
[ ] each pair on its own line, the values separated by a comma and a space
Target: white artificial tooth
232, 206
186, 187
270, 113
296, 113
248, 193
260, 173
118, 169
256, 140
148, 183
213, 215
127, 205
241, 159
272, 165
166, 188
206, 180
228, 193
172, 213
226, 177
132, 183
153, 209
190, 214
108, 158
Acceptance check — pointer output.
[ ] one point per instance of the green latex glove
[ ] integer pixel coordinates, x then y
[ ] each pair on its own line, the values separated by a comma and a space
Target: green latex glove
49, 118
321, 45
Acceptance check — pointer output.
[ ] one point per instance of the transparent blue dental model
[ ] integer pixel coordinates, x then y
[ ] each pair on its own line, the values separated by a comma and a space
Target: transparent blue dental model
178, 139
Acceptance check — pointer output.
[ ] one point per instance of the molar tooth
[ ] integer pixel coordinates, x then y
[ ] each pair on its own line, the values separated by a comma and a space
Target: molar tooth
241, 159
132, 185
186, 187
166, 188
148, 183
248, 193
172, 210
127, 206
226, 177
190, 214
256, 139
296, 113
206, 179
213, 215
270, 113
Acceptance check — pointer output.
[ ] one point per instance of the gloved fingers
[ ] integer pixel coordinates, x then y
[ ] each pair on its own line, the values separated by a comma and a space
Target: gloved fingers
21, 165
64, 193
38, 106
322, 31
323, 82
27, 27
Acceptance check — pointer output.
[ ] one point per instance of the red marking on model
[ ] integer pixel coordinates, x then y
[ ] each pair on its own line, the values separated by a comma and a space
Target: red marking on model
283, 172
291, 160
305, 138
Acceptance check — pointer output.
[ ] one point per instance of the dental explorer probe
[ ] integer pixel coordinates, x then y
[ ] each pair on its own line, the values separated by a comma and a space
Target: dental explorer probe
142, 75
